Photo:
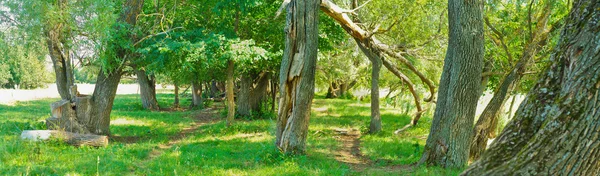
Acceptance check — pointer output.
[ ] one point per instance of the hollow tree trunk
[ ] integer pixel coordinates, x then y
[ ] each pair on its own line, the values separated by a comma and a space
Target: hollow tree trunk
449, 137
488, 120
375, 125
555, 130
147, 90
297, 75
243, 96
230, 98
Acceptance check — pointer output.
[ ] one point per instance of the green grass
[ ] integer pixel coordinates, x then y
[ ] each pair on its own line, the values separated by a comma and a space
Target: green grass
246, 148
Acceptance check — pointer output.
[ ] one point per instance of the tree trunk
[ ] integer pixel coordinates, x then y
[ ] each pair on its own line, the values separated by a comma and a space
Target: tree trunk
297, 75
147, 90
460, 84
375, 126
555, 130
258, 93
93, 113
273, 92
332, 90
197, 100
230, 98
176, 92
488, 119
243, 96
56, 35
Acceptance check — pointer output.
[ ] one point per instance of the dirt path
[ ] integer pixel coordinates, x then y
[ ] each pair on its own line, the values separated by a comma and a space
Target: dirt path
204, 117
349, 152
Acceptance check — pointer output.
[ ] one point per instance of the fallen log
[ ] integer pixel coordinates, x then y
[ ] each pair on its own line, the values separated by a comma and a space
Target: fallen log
75, 139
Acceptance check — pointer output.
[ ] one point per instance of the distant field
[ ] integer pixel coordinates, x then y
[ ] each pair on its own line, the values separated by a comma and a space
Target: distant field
10, 96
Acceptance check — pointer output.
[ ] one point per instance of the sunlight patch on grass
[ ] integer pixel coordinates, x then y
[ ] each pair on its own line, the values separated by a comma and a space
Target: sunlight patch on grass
123, 121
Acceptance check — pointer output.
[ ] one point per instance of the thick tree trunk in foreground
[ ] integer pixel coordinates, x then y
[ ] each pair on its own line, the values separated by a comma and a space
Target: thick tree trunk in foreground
556, 129
197, 101
449, 137
147, 90
375, 125
230, 98
297, 75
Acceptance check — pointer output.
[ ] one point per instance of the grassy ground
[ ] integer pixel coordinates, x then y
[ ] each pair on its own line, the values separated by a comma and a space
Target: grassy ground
197, 142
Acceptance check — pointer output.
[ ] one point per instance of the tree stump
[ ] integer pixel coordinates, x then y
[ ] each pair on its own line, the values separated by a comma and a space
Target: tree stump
70, 117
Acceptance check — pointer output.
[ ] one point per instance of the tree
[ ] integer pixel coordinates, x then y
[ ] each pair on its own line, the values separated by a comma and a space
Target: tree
488, 120
147, 84
554, 131
297, 75
449, 137
373, 47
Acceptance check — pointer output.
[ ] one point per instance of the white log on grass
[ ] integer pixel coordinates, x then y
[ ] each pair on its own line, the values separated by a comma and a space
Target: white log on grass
75, 139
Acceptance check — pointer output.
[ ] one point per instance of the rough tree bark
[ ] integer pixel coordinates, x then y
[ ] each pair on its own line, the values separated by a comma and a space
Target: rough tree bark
297, 75
243, 96
449, 137
488, 120
259, 92
147, 90
555, 130
230, 98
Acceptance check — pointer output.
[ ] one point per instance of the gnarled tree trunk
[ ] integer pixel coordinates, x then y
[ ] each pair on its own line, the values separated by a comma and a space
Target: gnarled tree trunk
449, 137
93, 113
556, 128
147, 90
297, 75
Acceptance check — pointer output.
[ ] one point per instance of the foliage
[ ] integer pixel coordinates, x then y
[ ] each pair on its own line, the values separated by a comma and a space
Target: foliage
22, 65
516, 22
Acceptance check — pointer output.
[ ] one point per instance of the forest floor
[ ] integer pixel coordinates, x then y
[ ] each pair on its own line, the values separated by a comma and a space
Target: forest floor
197, 142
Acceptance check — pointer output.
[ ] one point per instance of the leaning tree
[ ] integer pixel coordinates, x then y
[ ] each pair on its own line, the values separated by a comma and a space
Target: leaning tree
556, 129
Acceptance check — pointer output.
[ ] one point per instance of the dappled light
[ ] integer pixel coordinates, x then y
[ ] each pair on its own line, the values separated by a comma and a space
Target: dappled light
299, 87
